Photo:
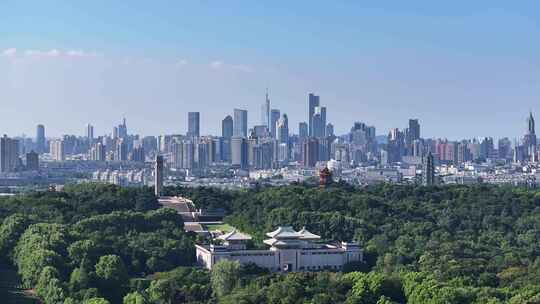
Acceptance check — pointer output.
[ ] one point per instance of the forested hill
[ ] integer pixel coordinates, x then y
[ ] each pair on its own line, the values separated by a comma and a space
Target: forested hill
98, 244
85, 243
483, 238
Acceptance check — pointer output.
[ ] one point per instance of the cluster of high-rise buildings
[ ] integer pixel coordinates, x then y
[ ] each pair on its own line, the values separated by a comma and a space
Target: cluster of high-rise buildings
269, 145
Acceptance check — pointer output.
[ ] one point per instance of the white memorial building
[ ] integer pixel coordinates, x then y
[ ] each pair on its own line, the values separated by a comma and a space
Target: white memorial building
289, 250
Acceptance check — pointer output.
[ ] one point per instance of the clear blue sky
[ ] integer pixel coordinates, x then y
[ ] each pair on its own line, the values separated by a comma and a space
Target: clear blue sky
464, 68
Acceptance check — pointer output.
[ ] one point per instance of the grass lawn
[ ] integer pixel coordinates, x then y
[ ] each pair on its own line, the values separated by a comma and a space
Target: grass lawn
10, 293
222, 227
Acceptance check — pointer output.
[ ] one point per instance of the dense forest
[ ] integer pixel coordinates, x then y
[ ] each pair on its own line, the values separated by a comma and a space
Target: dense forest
97, 243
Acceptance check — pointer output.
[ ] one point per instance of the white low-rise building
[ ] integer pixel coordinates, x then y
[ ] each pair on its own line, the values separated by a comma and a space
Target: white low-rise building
289, 250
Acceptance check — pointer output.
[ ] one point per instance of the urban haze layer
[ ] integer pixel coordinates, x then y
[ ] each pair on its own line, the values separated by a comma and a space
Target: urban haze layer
269, 153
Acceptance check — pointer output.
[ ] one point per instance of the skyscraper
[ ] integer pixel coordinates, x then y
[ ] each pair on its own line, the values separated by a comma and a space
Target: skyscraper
411, 135
283, 129
323, 121
310, 152
121, 150
319, 122
40, 139
227, 126
313, 102
122, 129
303, 130
97, 152
274, 117
265, 112
193, 124
32, 161
90, 132
530, 123
158, 175
239, 152
58, 152
414, 130
240, 123
329, 129
9, 154
529, 141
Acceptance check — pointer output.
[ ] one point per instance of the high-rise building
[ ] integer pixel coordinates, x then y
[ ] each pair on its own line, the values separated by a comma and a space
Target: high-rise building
504, 148
261, 131
414, 129
529, 140
9, 154
329, 129
239, 152
227, 127
303, 130
428, 177
122, 130
57, 149
121, 150
530, 124
40, 139
318, 121
89, 132
32, 161
188, 154
240, 123
265, 112
283, 129
137, 154
310, 152
193, 124
313, 102
274, 117
323, 121
158, 175
149, 143
98, 152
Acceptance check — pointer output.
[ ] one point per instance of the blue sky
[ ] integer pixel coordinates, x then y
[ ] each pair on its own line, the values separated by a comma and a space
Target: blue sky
464, 68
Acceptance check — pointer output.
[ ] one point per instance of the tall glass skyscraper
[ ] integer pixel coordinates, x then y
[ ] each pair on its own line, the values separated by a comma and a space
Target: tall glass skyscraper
193, 124
313, 102
40, 139
240, 123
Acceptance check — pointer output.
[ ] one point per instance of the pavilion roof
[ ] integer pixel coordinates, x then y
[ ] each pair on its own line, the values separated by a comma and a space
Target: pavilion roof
235, 236
285, 232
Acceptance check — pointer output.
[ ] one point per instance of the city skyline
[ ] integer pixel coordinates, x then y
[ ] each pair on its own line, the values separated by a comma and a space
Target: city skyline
85, 131
458, 68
